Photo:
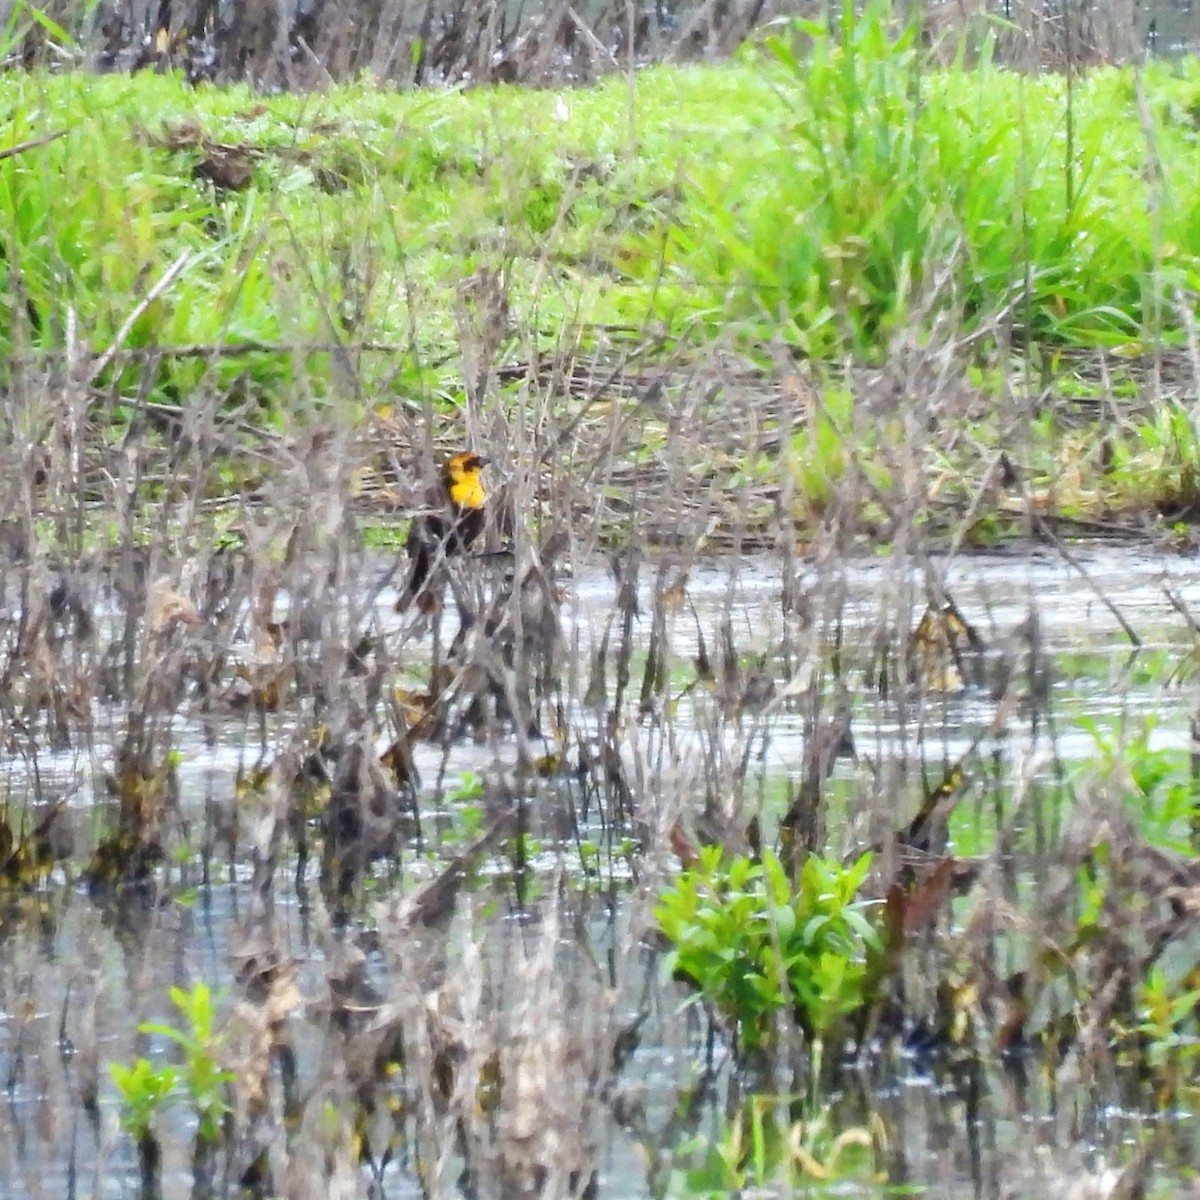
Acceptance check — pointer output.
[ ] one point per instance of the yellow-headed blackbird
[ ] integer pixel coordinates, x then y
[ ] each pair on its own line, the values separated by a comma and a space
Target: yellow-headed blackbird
451, 520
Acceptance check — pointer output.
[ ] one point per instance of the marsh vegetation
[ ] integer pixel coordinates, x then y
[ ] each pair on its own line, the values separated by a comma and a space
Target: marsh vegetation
784, 795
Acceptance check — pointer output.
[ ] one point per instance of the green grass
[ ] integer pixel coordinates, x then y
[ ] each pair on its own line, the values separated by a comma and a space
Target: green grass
365, 213
827, 195
875, 189
831, 188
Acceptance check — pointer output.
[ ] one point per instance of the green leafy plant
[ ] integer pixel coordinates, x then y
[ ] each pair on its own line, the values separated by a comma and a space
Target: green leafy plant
754, 944
1159, 784
1160, 458
467, 790
145, 1091
1168, 1029
201, 1075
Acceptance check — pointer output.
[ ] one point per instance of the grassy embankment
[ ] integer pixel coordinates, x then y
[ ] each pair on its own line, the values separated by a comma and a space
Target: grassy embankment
914, 271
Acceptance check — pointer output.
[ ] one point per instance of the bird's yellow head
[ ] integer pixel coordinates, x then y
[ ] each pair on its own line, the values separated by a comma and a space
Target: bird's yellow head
464, 480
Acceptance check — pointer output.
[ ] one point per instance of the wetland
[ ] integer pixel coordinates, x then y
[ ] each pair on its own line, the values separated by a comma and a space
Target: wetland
507, 933
790, 789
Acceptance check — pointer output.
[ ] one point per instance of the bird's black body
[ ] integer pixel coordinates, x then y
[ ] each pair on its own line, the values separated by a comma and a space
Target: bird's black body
452, 521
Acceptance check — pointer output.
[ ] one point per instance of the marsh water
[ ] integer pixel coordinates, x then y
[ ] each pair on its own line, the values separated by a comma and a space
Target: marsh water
78, 976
